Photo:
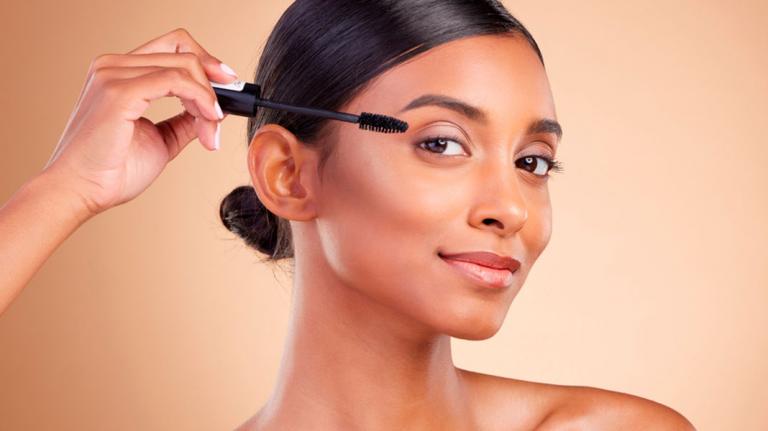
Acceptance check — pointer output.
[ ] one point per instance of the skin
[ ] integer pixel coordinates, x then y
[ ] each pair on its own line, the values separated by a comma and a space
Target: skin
374, 306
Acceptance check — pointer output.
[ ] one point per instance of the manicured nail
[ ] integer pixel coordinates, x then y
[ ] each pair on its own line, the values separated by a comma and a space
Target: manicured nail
219, 112
228, 70
217, 139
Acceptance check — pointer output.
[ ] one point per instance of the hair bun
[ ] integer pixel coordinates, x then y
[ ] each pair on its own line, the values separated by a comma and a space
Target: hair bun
242, 213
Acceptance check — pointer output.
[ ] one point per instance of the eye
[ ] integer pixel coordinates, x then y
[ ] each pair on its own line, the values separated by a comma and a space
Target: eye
537, 164
440, 143
534, 165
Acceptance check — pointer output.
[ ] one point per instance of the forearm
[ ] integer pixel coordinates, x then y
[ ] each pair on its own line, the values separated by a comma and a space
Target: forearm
33, 223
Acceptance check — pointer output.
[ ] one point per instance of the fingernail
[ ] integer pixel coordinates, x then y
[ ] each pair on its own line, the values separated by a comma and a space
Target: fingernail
217, 139
228, 70
219, 112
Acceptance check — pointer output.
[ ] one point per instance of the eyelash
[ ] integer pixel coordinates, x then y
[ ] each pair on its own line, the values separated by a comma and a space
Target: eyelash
554, 165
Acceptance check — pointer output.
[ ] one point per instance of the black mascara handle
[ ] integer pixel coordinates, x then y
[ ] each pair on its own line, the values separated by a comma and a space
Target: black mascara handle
238, 102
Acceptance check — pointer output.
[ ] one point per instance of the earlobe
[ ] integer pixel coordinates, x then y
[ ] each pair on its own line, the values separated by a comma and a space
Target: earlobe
281, 166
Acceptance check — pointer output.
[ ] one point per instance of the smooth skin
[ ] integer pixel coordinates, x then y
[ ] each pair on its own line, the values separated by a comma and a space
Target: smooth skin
374, 306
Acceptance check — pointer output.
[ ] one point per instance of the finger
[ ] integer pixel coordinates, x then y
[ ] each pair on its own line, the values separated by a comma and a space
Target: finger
179, 40
177, 132
208, 129
106, 74
138, 86
186, 60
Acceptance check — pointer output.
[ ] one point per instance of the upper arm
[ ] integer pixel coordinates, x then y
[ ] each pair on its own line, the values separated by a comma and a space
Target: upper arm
599, 409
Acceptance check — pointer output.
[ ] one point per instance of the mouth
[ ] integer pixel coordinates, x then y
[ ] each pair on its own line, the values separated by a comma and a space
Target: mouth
499, 277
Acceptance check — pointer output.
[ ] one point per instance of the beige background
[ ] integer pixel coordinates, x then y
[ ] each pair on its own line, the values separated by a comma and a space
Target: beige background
153, 316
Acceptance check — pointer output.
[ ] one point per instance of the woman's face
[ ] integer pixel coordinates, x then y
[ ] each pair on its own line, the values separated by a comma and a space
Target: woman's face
389, 204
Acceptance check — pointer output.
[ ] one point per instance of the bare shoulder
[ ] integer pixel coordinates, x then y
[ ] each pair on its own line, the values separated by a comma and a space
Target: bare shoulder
583, 407
546, 407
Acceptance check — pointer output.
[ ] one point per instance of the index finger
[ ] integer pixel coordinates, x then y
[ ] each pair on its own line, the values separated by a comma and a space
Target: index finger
179, 40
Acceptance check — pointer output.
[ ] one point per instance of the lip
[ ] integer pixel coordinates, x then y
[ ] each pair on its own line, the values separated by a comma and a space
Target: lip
490, 269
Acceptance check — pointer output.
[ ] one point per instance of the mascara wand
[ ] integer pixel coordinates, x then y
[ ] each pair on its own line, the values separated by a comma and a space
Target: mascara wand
242, 98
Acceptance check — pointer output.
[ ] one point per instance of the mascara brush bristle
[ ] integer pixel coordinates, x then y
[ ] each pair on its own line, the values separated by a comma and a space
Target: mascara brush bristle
381, 123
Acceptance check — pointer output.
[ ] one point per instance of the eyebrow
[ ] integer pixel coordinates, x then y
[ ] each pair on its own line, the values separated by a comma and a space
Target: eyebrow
541, 125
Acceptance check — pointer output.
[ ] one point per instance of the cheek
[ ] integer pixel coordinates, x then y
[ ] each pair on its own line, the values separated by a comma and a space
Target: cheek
380, 225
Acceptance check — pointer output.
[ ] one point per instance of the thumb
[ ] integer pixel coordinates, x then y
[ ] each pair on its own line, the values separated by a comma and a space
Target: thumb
177, 132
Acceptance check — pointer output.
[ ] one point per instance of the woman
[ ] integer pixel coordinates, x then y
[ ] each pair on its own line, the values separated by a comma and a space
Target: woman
392, 236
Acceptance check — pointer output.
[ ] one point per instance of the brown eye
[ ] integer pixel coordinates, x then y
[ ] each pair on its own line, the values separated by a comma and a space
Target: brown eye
538, 165
447, 146
443, 145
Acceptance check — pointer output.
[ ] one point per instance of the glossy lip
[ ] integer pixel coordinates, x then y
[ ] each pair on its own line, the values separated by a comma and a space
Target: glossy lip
485, 258
490, 269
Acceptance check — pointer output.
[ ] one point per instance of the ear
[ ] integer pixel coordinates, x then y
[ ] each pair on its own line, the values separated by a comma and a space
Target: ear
282, 170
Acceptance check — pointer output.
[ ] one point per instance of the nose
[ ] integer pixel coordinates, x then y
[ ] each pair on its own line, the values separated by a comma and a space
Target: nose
500, 206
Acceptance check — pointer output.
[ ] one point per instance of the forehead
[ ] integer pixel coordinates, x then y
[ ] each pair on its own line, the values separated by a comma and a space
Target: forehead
499, 74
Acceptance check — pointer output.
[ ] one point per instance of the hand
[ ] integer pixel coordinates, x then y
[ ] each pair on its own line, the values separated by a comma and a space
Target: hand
108, 153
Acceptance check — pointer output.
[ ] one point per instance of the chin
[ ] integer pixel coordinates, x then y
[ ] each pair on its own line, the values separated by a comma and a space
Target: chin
479, 326
475, 334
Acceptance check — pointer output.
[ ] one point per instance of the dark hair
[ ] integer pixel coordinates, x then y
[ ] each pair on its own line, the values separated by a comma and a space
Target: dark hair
322, 53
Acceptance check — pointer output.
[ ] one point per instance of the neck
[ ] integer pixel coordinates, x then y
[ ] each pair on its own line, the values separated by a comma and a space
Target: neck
352, 363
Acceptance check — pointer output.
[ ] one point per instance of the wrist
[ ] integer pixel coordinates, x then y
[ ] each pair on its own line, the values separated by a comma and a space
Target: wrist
59, 197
